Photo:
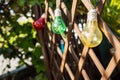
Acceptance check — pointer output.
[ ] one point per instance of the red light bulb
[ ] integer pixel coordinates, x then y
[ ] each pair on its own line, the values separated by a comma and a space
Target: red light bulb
39, 23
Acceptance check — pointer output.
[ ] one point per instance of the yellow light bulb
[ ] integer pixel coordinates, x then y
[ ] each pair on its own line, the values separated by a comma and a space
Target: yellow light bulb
91, 35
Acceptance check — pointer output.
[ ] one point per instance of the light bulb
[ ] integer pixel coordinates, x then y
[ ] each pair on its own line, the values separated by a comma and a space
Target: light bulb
62, 45
91, 35
58, 26
39, 23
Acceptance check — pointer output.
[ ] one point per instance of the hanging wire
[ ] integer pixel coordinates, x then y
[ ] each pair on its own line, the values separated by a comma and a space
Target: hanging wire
91, 5
58, 3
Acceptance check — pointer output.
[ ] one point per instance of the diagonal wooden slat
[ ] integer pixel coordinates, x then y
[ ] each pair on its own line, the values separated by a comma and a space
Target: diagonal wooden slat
51, 12
64, 55
87, 4
81, 62
66, 39
100, 6
114, 41
65, 10
73, 54
52, 53
55, 64
73, 10
111, 66
85, 76
76, 60
96, 61
66, 65
116, 57
108, 33
46, 10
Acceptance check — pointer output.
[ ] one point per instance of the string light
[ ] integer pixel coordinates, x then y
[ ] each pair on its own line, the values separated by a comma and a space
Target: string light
91, 35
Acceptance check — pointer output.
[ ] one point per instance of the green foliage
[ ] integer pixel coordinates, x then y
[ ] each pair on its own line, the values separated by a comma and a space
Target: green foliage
18, 39
111, 15
21, 2
68, 3
30, 2
36, 59
41, 77
95, 2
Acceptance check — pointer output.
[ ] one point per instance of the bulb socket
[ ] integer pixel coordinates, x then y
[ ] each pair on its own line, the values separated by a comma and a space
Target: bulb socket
57, 12
43, 15
61, 42
92, 15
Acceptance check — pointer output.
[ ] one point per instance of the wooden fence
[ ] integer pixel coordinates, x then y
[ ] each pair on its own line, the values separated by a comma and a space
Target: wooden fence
79, 62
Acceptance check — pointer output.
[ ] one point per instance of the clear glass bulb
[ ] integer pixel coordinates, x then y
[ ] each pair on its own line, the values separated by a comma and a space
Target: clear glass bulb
91, 35
58, 26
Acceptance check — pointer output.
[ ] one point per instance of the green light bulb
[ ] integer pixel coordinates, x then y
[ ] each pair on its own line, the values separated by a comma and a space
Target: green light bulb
58, 26
91, 35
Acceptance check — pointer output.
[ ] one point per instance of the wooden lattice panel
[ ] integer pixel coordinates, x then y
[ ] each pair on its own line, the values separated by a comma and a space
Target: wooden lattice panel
78, 62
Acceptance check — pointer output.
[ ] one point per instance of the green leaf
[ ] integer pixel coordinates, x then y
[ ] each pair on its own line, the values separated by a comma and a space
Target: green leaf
33, 2
21, 2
